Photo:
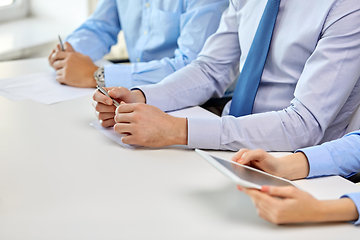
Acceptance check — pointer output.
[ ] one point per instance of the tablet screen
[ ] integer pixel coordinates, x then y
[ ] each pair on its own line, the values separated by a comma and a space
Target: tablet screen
251, 175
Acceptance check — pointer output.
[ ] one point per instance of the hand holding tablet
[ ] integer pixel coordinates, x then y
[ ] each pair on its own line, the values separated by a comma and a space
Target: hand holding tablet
244, 175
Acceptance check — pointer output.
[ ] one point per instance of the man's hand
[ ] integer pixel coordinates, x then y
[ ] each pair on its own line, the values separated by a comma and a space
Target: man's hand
104, 108
146, 125
72, 68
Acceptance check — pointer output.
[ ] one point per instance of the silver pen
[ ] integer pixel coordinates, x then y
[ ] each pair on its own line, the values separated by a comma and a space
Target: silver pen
116, 104
61, 44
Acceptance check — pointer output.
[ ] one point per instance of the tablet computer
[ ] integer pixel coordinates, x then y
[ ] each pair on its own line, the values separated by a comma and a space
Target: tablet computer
244, 175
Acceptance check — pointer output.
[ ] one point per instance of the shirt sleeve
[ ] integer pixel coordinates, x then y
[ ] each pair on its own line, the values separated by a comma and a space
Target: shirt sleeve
338, 157
355, 197
193, 34
303, 123
96, 36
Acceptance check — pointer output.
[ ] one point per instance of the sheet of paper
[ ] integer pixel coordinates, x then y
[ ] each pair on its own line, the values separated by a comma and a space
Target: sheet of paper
197, 112
110, 133
40, 87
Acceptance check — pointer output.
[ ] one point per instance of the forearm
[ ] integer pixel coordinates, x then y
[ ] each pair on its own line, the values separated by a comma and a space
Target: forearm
342, 209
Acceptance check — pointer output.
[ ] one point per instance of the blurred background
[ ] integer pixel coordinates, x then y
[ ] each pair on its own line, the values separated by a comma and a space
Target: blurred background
30, 28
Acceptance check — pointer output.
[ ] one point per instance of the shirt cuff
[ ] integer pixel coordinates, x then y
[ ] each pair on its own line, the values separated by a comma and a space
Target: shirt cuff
204, 133
118, 75
319, 161
355, 197
154, 96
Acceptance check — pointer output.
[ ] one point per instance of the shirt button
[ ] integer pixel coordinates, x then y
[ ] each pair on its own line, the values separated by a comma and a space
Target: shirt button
147, 5
145, 32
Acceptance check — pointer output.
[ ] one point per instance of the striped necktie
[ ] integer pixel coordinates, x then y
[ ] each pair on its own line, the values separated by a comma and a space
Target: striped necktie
250, 76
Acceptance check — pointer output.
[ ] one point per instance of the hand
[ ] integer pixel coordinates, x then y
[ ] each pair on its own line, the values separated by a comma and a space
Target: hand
146, 125
104, 108
281, 205
293, 166
73, 68
258, 159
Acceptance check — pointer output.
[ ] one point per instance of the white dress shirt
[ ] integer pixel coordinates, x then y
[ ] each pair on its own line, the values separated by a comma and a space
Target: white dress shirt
310, 84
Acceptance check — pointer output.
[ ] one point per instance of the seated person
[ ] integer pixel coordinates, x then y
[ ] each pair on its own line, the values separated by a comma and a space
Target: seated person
290, 205
308, 85
161, 37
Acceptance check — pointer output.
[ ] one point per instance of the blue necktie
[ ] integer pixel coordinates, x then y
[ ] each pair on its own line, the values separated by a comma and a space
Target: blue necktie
250, 76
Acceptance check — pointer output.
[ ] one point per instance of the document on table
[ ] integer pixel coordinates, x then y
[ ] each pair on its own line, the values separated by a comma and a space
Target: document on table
196, 112
42, 87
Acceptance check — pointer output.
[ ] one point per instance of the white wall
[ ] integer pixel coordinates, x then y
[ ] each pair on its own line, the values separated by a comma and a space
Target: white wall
72, 12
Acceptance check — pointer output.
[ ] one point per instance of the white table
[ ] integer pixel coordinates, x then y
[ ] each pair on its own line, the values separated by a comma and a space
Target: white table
62, 179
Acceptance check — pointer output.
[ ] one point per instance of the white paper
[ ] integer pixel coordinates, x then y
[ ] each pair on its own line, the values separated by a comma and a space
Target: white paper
197, 112
40, 87
110, 133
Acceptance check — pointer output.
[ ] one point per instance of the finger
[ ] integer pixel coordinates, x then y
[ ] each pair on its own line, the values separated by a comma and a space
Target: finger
107, 123
118, 92
123, 128
59, 64
130, 139
125, 108
102, 108
101, 98
59, 55
105, 115
123, 118
68, 47
50, 55
254, 155
59, 76
239, 154
283, 192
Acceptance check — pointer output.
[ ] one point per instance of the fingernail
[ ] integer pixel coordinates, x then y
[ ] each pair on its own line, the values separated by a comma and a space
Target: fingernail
239, 188
100, 121
109, 102
122, 102
240, 160
265, 188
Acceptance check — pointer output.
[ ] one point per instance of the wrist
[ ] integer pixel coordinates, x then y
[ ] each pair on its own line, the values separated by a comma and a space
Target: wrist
294, 166
343, 209
139, 96
178, 135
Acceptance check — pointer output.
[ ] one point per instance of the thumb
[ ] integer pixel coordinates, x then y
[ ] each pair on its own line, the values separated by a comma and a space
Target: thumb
68, 47
283, 192
120, 93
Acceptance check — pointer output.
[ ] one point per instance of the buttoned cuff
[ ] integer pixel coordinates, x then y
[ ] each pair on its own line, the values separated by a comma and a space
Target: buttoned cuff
118, 75
320, 161
355, 197
204, 133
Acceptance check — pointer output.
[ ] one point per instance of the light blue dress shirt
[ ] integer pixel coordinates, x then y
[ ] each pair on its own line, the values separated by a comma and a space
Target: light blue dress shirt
338, 157
162, 36
310, 84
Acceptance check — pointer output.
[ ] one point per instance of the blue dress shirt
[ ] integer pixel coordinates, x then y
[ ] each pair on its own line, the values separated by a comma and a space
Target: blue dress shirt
338, 157
161, 36
310, 84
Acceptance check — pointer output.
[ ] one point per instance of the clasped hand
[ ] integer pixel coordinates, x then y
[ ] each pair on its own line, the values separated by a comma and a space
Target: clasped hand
141, 124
